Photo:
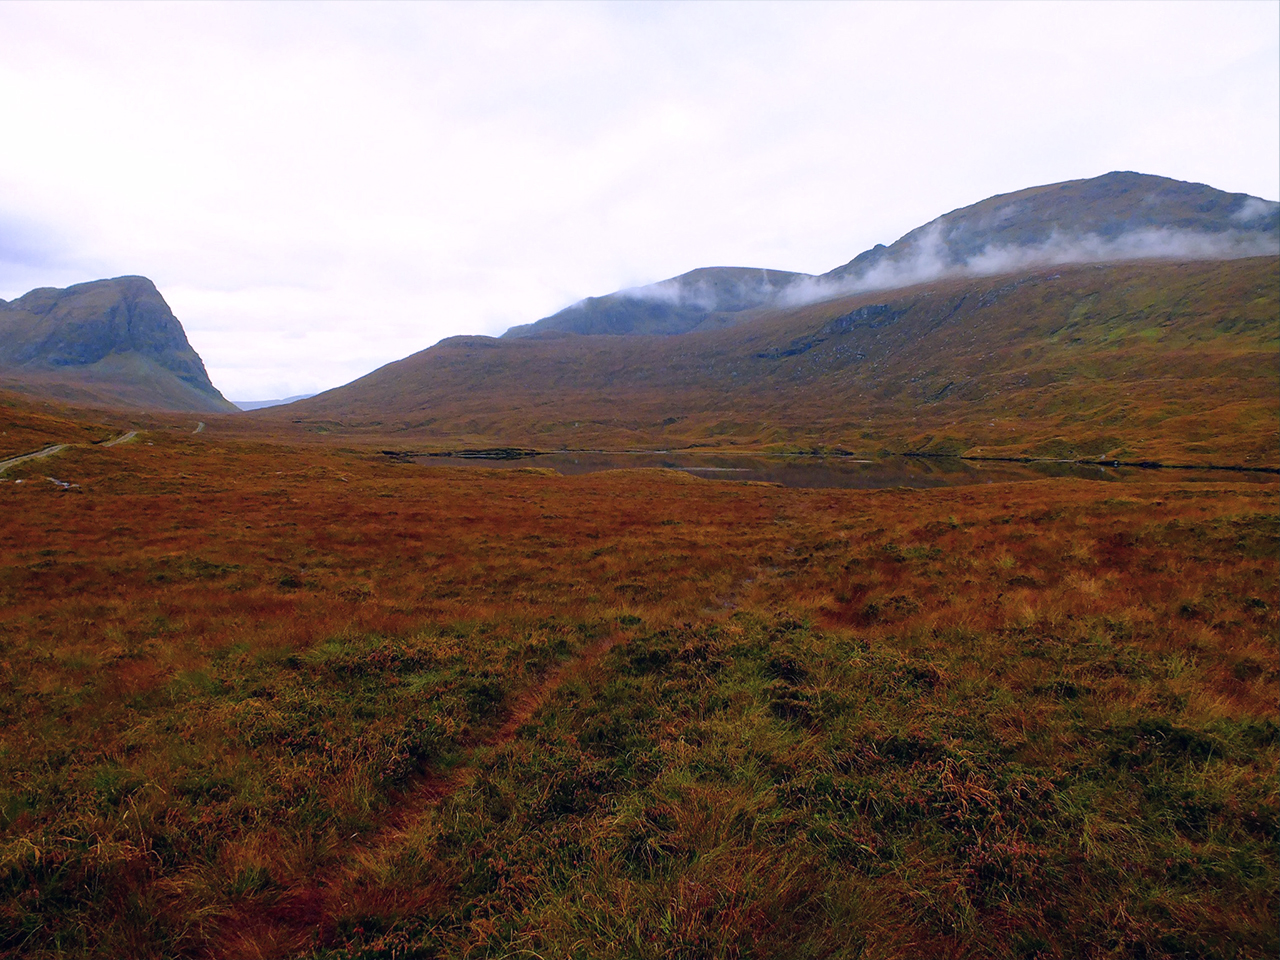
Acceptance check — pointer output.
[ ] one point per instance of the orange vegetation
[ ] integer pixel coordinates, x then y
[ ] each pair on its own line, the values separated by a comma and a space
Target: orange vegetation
263, 698
26, 426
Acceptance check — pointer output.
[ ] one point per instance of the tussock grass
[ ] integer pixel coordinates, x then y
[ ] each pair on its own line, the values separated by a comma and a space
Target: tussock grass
271, 700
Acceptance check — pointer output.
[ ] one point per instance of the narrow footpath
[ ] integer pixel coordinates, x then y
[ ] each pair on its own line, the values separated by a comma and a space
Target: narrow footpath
289, 926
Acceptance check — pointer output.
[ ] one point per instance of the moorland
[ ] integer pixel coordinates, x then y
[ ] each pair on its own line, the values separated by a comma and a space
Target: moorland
267, 697
292, 683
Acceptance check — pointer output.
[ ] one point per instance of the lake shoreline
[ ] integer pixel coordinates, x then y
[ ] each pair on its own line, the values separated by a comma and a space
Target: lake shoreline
523, 453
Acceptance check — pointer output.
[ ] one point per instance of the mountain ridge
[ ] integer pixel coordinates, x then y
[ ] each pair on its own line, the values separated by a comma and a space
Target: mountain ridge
1115, 217
1126, 315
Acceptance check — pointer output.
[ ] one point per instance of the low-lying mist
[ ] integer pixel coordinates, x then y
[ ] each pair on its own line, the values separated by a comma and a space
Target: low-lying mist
1114, 218
931, 258
725, 289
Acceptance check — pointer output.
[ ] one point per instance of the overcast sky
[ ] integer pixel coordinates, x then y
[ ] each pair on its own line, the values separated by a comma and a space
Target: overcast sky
318, 189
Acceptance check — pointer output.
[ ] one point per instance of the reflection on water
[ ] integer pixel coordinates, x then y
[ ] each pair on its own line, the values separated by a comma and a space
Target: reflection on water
837, 472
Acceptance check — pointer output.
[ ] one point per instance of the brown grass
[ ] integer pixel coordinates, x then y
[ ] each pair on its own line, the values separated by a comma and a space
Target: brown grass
267, 699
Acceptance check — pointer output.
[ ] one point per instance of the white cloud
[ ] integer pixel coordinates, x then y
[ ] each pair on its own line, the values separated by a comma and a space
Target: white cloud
928, 258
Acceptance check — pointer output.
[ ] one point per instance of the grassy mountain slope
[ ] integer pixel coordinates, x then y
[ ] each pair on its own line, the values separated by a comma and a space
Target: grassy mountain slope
1152, 359
1115, 217
112, 342
27, 425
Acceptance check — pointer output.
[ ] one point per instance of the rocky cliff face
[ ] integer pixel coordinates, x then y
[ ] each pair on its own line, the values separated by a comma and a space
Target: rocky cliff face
117, 336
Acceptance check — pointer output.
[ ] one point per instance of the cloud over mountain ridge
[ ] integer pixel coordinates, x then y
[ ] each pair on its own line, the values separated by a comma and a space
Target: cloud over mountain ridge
1116, 217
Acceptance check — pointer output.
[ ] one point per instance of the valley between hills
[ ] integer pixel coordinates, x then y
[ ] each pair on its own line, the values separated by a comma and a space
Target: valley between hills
280, 684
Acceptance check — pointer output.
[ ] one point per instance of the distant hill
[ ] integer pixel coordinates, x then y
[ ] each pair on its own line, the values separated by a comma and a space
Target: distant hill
1125, 316
1108, 219
108, 342
263, 404
1163, 360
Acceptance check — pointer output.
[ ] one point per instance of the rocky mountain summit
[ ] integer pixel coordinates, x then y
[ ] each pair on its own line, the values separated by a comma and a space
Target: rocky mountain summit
114, 342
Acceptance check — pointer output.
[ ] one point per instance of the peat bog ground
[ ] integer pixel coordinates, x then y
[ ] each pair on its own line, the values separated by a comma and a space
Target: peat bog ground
265, 699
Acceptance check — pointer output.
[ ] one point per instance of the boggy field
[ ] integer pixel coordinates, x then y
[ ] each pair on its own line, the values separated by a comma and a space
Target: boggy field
263, 700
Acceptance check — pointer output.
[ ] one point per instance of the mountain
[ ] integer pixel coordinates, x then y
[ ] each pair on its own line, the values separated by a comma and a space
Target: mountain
1165, 360
1123, 317
1112, 218
1116, 217
108, 342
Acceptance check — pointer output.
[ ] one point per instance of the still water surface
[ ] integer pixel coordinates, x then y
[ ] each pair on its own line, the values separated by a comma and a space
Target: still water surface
841, 472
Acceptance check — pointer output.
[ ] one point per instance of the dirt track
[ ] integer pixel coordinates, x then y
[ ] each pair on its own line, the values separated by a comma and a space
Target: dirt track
50, 450
39, 454
123, 438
